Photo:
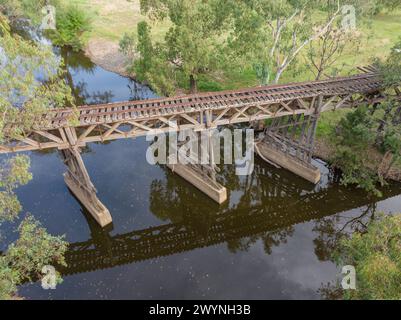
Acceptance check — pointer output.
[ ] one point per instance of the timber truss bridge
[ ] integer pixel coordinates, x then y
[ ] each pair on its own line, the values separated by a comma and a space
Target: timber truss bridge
293, 110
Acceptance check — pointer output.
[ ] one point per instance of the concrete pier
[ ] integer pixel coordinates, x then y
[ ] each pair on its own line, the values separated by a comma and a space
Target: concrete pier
205, 184
288, 162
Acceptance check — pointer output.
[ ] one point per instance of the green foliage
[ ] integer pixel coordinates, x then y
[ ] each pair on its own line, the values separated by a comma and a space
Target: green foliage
272, 34
72, 27
354, 138
31, 9
23, 97
149, 64
363, 130
390, 68
389, 131
127, 44
34, 249
263, 72
376, 256
8, 281
361, 133
269, 37
13, 173
145, 48
192, 46
392, 141
355, 129
25, 258
4, 25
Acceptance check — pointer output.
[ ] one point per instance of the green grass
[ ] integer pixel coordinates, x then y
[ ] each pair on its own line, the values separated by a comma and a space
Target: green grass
111, 19
378, 37
328, 121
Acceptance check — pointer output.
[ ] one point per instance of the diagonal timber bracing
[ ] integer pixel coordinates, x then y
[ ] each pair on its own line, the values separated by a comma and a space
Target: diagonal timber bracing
135, 118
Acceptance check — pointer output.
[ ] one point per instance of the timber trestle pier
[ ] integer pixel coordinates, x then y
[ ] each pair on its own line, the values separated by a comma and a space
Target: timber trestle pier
289, 114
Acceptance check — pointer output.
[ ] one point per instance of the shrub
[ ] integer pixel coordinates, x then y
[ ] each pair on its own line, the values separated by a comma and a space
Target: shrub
376, 256
354, 138
25, 258
72, 28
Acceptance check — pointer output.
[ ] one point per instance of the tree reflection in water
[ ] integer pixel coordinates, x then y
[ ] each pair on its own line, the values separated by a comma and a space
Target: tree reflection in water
75, 63
330, 231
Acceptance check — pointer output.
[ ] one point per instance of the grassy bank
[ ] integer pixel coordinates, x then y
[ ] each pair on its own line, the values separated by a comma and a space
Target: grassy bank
111, 19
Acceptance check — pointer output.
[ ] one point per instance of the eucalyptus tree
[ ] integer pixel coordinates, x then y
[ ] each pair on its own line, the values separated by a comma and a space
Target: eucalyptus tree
388, 134
23, 96
390, 68
274, 33
322, 55
193, 45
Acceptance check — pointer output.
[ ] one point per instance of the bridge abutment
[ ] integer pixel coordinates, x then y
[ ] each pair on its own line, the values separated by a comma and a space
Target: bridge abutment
201, 181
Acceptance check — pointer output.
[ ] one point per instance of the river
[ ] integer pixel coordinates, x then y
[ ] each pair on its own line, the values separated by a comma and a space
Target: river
273, 239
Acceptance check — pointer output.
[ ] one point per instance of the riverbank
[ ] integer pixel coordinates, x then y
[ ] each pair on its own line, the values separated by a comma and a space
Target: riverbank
106, 54
325, 150
110, 21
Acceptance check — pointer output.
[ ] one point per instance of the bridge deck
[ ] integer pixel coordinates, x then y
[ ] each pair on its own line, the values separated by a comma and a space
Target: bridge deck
146, 109
199, 111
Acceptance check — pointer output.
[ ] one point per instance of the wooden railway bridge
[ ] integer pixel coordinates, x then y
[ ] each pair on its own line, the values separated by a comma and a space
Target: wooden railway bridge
288, 140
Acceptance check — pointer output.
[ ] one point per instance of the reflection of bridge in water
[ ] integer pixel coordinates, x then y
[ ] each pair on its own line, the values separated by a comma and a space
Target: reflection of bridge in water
230, 224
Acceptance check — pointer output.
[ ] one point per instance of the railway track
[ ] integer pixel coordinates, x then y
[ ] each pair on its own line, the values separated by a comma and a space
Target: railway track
148, 109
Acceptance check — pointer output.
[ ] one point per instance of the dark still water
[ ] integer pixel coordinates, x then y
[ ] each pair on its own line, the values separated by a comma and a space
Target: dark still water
273, 238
